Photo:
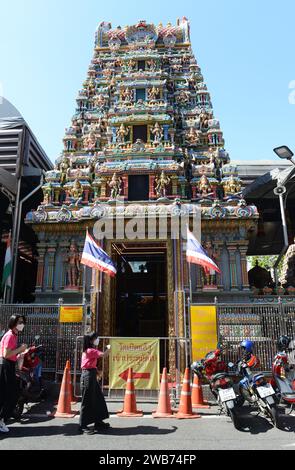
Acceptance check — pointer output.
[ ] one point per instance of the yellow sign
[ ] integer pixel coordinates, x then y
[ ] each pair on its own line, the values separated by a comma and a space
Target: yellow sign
71, 314
203, 330
140, 354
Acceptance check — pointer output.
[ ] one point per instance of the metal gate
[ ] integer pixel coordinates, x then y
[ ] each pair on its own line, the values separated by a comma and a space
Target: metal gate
57, 338
261, 323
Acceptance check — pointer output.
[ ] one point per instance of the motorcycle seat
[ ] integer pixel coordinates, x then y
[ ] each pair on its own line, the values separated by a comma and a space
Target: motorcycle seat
288, 396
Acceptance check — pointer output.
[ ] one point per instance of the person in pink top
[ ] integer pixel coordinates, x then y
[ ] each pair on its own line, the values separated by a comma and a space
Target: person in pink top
8, 358
93, 405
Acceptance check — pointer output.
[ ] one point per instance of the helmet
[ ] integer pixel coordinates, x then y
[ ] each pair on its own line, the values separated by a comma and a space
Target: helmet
283, 342
247, 345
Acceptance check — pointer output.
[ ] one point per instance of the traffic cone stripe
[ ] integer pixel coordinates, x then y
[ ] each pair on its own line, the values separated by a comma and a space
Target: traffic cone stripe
197, 395
185, 406
65, 396
164, 405
130, 409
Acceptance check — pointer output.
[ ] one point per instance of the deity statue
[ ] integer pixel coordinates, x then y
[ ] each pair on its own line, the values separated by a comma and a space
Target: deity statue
204, 119
232, 185
47, 193
153, 93
204, 186
76, 192
192, 136
100, 101
116, 186
127, 95
157, 133
161, 183
184, 97
151, 65
131, 65
63, 167
122, 132
89, 140
91, 87
209, 275
73, 263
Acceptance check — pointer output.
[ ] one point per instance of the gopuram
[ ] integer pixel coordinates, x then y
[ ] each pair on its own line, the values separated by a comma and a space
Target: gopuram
143, 140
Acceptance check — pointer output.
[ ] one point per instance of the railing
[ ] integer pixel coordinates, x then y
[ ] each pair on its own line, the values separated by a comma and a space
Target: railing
165, 345
57, 338
260, 323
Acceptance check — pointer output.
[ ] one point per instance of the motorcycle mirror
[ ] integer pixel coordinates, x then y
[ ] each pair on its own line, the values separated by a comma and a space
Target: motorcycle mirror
230, 365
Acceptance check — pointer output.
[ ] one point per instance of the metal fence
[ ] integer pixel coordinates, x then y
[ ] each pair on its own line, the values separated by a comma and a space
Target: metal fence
57, 338
261, 323
179, 346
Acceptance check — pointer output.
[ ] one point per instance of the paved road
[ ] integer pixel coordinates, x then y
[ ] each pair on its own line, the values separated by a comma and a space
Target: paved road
211, 431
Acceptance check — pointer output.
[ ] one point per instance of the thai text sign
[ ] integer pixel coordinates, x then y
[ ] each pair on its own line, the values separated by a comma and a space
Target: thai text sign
203, 330
140, 354
71, 314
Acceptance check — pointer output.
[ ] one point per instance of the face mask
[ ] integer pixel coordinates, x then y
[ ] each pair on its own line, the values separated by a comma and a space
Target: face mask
96, 342
20, 327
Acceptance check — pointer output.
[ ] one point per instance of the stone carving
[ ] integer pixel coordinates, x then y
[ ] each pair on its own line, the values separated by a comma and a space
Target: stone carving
73, 270
161, 184
116, 186
157, 132
122, 132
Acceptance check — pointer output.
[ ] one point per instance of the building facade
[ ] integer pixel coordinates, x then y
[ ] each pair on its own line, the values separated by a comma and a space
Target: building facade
143, 148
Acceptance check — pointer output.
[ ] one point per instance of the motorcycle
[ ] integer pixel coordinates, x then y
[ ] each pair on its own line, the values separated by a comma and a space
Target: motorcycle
29, 388
280, 381
216, 372
257, 391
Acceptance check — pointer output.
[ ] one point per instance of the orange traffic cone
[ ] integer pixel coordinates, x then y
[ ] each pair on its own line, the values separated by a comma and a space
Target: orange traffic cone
197, 394
64, 402
130, 410
164, 405
185, 408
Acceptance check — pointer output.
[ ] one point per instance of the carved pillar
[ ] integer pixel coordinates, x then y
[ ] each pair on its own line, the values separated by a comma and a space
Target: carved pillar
51, 251
233, 267
86, 195
103, 188
125, 187
245, 280
41, 260
152, 187
174, 181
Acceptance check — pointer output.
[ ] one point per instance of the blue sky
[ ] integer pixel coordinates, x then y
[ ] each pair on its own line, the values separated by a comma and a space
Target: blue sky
244, 48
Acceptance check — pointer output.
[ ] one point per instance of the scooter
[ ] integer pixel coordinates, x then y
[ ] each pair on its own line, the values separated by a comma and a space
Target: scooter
280, 381
29, 389
257, 391
216, 372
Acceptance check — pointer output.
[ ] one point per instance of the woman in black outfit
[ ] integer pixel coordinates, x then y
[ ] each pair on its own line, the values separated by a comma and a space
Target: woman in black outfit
93, 406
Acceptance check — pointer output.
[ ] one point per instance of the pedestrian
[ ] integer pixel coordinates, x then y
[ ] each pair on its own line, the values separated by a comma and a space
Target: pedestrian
8, 358
93, 406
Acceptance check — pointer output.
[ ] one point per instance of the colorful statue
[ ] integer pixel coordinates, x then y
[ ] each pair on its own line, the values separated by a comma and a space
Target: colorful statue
161, 183
204, 119
153, 93
209, 275
63, 167
232, 185
157, 133
73, 263
122, 132
116, 186
204, 186
100, 101
192, 136
76, 192
127, 95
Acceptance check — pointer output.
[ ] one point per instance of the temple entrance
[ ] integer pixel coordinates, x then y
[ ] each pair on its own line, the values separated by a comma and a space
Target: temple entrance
141, 291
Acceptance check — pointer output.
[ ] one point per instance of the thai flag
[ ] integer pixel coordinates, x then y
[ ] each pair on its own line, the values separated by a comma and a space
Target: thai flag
196, 254
94, 257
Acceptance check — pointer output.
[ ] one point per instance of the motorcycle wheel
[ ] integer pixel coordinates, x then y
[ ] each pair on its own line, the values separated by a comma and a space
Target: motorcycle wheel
240, 400
234, 418
18, 410
273, 413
